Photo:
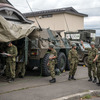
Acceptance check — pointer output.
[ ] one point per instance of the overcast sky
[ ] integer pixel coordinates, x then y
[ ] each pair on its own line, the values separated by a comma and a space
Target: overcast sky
90, 7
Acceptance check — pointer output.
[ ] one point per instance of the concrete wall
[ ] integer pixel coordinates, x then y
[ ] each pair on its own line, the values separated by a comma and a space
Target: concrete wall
63, 21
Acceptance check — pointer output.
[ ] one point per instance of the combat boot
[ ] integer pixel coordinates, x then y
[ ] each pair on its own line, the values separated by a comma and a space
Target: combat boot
11, 80
21, 76
95, 80
7, 78
90, 79
69, 78
73, 77
53, 80
98, 83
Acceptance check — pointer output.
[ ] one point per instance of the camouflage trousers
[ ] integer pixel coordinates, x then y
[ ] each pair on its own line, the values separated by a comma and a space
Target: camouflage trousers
10, 69
20, 69
73, 68
92, 69
98, 71
52, 68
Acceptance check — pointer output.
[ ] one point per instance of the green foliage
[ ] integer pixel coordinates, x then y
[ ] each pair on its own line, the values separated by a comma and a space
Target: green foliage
87, 97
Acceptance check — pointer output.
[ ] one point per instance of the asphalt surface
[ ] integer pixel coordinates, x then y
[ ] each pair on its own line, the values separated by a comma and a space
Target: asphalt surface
93, 99
34, 87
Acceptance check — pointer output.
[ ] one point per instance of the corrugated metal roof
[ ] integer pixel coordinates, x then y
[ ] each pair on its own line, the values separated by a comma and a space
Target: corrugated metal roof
69, 10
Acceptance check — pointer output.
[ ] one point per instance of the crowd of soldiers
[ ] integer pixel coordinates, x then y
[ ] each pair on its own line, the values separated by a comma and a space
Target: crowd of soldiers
93, 63
12, 56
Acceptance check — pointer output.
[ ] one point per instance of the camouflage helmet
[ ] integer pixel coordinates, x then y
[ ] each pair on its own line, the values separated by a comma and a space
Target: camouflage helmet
92, 43
51, 46
73, 45
8, 43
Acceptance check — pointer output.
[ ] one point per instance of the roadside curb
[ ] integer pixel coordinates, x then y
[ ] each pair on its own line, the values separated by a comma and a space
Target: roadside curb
80, 95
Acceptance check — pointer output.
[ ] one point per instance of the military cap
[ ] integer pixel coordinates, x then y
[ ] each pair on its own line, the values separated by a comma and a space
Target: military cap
51, 46
92, 43
73, 45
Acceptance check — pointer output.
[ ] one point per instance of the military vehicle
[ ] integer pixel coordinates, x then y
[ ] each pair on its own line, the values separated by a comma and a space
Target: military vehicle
83, 54
97, 41
14, 27
85, 35
39, 53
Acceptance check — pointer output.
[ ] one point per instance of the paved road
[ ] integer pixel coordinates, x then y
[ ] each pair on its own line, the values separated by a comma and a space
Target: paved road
93, 99
38, 88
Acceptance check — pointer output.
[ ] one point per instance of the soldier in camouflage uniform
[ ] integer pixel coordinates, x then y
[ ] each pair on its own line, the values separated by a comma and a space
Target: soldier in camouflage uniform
73, 59
11, 62
21, 64
92, 57
52, 62
98, 68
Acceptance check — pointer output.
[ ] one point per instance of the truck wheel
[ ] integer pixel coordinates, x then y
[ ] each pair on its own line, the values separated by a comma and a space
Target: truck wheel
85, 60
45, 70
67, 64
61, 62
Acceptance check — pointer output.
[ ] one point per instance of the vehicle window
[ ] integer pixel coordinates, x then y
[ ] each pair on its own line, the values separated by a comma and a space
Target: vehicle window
87, 45
81, 47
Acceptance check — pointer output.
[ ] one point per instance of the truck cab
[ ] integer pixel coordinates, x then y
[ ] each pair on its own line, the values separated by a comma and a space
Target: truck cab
83, 54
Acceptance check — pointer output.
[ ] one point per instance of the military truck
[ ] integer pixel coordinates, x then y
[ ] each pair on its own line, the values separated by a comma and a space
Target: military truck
83, 54
85, 35
38, 54
97, 41
15, 27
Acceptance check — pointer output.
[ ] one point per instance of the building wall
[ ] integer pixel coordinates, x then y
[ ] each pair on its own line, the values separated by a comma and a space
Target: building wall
63, 21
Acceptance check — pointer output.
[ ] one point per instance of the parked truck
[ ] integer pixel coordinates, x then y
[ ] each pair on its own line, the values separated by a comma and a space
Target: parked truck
14, 27
86, 36
38, 52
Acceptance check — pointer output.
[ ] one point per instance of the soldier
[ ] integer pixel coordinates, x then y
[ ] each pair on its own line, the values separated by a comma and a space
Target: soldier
21, 65
92, 57
98, 68
52, 62
73, 59
11, 62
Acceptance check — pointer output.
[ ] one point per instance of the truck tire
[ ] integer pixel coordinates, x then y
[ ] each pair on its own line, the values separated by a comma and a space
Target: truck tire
61, 61
85, 61
67, 64
45, 70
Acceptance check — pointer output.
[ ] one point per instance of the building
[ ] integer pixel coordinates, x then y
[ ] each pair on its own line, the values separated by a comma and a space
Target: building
67, 19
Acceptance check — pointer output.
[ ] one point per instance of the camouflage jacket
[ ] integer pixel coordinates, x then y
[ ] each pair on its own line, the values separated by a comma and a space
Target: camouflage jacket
13, 51
92, 54
73, 55
98, 58
53, 53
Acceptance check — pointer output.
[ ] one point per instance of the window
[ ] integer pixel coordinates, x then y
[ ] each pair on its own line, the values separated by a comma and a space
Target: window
46, 16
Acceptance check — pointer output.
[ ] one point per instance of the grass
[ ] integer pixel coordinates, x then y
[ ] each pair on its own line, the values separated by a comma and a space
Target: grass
87, 97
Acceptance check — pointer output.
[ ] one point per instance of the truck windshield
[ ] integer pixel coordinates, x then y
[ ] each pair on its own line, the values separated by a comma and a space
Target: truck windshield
87, 45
